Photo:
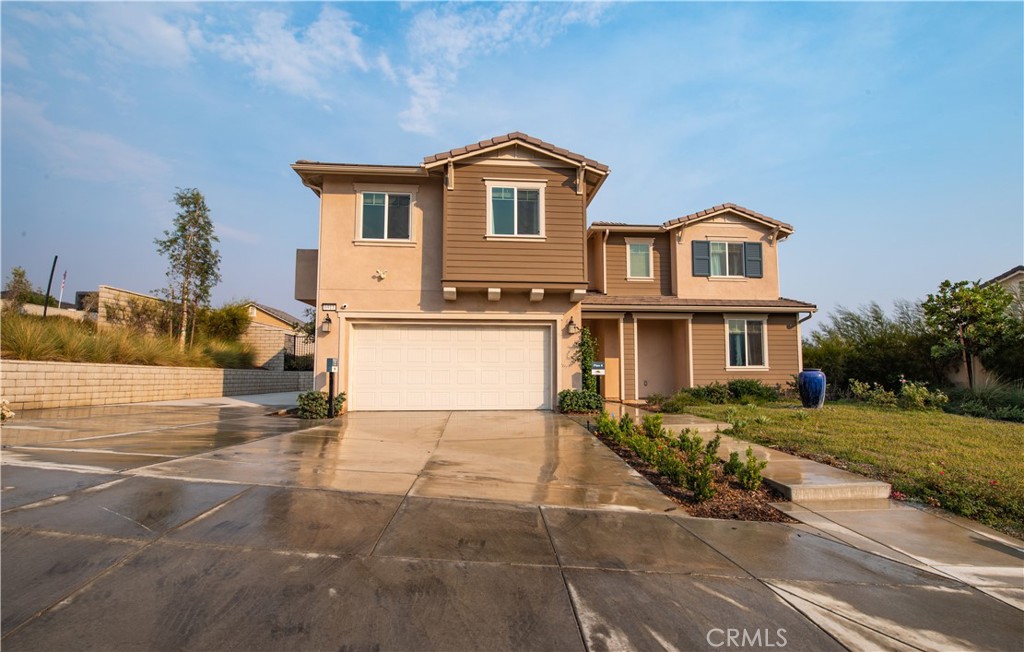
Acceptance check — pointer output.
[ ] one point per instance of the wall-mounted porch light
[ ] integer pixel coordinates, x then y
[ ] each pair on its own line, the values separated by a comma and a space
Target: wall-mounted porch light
571, 328
325, 325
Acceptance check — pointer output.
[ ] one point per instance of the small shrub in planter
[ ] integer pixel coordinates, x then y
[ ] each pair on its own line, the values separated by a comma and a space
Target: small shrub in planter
732, 467
579, 401
749, 474
313, 405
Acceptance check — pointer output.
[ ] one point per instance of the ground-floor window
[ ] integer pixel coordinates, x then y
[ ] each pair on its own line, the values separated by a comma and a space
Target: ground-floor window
746, 343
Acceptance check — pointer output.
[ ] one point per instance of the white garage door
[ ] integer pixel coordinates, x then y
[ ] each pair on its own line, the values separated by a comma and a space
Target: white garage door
447, 367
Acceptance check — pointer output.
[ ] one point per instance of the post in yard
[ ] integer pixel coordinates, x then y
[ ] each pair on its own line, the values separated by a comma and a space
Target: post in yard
46, 301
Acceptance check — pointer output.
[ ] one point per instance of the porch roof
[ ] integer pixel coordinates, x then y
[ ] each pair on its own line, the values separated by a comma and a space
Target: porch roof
618, 303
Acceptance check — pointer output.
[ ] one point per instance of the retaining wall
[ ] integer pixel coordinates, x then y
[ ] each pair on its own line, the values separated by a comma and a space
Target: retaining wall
29, 385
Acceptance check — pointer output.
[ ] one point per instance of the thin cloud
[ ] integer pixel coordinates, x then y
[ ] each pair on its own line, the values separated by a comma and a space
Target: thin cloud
450, 37
241, 235
78, 153
296, 60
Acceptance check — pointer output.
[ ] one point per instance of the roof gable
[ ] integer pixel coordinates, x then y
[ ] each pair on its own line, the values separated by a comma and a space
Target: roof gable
716, 211
507, 140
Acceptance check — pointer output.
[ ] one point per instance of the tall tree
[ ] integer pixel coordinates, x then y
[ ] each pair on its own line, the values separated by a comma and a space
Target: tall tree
193, 265
968, 317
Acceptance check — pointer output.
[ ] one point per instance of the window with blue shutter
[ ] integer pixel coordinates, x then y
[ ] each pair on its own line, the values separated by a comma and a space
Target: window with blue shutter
727, 259
701, 258
753, 267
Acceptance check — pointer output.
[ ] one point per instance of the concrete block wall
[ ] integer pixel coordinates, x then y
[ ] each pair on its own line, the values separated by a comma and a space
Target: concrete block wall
269, 344
30, 385
115, 298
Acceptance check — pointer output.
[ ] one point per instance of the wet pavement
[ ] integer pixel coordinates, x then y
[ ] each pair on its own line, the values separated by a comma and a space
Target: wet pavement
217, 527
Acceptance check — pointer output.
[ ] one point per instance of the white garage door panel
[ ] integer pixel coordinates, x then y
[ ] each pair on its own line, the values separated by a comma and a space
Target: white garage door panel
437, 367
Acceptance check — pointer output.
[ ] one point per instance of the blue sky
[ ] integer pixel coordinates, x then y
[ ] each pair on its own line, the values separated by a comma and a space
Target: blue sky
890, 135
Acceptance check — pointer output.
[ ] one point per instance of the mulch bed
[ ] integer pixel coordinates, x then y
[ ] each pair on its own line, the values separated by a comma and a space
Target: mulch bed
729, 502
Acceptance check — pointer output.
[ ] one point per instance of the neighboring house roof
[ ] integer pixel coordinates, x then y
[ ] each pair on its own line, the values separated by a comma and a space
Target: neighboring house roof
605, 301
503, 141
278, 314
1019, 269
692, 218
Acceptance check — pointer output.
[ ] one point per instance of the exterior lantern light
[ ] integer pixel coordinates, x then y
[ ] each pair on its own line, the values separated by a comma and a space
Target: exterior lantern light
571, 327
325, 325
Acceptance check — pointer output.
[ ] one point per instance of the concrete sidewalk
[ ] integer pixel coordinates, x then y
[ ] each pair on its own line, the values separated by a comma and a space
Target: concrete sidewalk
217, 527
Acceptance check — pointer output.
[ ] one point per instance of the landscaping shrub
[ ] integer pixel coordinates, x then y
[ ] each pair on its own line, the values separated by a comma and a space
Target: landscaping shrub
578, 401
912, 396
227, 323
749, 474
732, 467
294, 362
992, 400
749, 390
313, 405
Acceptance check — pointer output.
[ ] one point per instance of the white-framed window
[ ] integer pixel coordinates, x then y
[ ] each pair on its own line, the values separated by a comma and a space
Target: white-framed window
515, 209
727, 259
724, 259
639, 259
385, 214
747, 341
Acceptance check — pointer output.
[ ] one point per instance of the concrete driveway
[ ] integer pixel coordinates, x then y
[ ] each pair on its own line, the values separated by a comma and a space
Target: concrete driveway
159, 527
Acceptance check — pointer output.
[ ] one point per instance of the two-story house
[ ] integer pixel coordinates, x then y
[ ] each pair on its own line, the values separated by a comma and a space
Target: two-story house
463, 282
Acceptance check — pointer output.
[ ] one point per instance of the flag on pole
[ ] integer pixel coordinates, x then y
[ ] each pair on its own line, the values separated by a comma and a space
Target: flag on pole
60, 301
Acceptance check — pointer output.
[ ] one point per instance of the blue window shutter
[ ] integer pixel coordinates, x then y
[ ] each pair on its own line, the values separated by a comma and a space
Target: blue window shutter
753, 266
701, 258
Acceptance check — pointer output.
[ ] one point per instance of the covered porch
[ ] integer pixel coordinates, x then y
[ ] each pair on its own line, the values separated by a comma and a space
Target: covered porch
643, 353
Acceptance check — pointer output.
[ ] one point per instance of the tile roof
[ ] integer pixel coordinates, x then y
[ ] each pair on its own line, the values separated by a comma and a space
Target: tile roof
280, 314
721, 207
596, 299
508, 138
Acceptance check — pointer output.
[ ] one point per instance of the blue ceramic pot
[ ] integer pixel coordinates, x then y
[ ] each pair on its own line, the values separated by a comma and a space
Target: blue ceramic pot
812, 388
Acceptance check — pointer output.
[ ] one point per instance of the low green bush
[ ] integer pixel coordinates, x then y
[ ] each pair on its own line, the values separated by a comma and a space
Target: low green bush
911, 396
989, 400
579, 401
732, 467
313, 405
749, 474
298, 362
749, 390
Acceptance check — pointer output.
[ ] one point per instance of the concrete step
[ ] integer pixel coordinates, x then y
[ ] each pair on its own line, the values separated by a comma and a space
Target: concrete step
799, 479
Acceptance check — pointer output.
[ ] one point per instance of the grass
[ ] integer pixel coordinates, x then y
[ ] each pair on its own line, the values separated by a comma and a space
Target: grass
26, 337
970, 466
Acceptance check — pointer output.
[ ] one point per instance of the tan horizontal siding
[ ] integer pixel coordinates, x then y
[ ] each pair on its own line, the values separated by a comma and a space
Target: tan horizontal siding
709, 351
469, 256
661, 266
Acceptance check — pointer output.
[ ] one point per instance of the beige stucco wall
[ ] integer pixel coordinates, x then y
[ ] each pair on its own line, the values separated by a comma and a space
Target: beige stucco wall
656, 358
729, 228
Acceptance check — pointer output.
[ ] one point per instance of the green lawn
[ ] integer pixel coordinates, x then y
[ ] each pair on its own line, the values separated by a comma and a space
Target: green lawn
973, 467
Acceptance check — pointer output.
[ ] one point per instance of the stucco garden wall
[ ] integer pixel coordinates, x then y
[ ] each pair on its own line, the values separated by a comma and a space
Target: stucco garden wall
30, 385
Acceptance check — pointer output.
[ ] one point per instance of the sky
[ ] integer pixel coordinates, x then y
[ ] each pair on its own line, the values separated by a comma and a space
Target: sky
891, 136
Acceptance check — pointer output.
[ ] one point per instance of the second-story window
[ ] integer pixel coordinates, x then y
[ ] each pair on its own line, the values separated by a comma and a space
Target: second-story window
727, 259
724, 259
639, 259
385, 216
515, 209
